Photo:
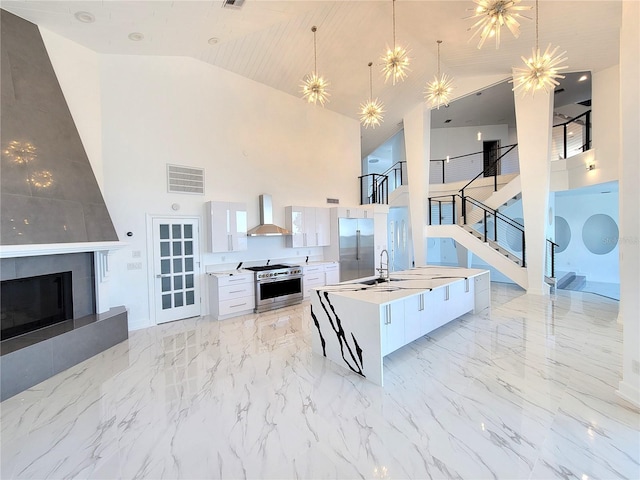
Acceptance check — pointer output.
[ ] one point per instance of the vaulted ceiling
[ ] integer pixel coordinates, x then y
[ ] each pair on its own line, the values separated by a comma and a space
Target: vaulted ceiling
271, 41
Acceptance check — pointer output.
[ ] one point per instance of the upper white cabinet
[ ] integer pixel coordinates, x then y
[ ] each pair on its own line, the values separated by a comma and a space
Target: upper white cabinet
347, 212
309, 226
227, 226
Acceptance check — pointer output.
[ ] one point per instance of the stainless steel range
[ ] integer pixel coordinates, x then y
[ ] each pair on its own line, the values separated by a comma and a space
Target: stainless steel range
277, 286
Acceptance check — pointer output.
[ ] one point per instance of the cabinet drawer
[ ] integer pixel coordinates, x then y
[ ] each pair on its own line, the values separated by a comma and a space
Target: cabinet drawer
235, 280
308, 270
230, 292
235, 305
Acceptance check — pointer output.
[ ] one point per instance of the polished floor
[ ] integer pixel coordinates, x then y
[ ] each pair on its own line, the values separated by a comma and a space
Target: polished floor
523, 390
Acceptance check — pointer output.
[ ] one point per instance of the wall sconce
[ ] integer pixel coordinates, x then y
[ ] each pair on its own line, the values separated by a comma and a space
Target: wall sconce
447, 158
591, 165
479, 136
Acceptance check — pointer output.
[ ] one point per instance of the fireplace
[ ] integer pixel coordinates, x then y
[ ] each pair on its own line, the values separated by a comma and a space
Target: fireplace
32, 303
61, 295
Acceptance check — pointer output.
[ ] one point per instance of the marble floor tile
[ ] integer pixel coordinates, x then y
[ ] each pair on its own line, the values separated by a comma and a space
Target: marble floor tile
523, 390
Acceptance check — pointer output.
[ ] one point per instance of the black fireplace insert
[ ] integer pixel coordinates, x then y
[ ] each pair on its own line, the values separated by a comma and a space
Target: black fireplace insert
28, 304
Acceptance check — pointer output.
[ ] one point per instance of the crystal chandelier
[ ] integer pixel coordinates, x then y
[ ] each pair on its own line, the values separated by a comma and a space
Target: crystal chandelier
371, 111
438, 91
493, 14
540, 71
395, 62
314, 87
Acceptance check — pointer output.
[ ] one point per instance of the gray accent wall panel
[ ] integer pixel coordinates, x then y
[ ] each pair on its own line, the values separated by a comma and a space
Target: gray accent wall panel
49, 193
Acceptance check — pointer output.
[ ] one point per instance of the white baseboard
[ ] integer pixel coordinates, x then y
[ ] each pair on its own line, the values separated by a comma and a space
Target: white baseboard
628, 392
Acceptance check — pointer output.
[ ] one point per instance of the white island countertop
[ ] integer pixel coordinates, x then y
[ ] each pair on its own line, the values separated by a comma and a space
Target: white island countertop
401, 284
355, 324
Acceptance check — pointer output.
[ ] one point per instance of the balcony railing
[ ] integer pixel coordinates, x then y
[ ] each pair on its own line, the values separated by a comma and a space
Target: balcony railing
376, 187
571, 137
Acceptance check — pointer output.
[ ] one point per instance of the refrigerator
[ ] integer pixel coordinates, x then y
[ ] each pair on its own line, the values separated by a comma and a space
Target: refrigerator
356, 248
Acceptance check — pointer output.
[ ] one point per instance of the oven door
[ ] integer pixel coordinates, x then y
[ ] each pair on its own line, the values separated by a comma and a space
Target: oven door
278, 292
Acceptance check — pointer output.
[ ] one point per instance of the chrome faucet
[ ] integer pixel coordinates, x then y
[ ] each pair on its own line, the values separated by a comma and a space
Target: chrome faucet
384, 270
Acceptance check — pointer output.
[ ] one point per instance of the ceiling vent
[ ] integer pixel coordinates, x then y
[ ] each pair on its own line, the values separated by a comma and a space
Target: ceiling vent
236, 4
182, 179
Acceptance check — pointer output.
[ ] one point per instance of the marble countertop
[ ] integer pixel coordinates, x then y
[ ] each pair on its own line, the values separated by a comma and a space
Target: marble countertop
402, 284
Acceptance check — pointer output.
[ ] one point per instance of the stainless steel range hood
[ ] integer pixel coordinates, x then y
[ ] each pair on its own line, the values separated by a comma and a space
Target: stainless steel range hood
266, 227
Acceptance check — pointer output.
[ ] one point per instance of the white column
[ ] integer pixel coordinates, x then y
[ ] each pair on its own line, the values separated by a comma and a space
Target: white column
629, 199
534, 117
417, 137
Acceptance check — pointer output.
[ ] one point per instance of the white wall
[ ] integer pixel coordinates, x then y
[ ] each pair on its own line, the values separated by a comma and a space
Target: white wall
250, 138
462, 141
576, 209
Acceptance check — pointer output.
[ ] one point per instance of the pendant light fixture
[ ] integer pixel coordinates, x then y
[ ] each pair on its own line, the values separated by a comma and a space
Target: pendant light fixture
540, 71
371, 111
493, 14
395, 62
314, 87
438, 91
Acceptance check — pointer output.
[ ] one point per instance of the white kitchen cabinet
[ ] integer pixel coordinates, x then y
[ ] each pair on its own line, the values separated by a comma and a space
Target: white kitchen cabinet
392, 335
231, 294
332, 273
313, 276
481, 293
415, 324
348, 212
227, 226
309, 226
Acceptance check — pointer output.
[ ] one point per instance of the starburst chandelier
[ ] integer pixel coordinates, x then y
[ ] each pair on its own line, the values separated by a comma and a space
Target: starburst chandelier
493, 14
372, 110
314, 87
540, 71
395, 62
437, 92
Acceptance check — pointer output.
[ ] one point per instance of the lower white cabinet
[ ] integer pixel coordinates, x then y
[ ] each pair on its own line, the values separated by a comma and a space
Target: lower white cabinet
481, 293
332, 273
231, 295
318, 275
392, 335
312, 277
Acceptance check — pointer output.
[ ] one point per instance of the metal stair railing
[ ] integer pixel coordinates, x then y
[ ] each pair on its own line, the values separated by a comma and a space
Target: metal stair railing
374, 188
550, 261
571, 137
501, 232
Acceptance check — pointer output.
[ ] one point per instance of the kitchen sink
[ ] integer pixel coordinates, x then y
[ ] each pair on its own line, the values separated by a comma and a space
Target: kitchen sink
376, 281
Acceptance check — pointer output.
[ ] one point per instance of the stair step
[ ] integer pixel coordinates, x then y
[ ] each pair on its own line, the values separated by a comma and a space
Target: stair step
564, 278
577, 283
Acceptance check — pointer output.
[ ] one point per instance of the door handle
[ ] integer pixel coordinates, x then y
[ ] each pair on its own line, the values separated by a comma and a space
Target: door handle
357, 244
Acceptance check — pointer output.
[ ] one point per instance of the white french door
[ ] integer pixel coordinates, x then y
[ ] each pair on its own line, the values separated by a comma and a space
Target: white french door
176, 265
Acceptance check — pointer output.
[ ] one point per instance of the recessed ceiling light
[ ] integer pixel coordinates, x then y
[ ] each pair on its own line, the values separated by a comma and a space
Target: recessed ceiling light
84, 17
374, 160
478, 94
213, 40
448, 120
136, 36
583, 78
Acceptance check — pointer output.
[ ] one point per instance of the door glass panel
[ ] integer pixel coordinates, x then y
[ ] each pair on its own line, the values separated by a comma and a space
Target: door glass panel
164, 231
188, 281
166, 284
164, 249
177, 248
188, 264
188, 231
177, 282
188, 248
190, 297
165, 267
177, 265
178, 299
166, 301
177, 231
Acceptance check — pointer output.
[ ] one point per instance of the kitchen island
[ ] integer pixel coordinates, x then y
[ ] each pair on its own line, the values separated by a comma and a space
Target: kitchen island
357, 323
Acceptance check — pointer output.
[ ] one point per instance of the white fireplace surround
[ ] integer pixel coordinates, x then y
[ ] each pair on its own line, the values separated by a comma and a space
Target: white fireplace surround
101, 251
